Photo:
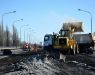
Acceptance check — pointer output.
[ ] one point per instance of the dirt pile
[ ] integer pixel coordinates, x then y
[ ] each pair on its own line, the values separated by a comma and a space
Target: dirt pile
37, 65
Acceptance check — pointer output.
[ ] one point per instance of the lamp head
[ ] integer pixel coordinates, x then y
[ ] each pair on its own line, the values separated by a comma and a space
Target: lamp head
14, 11
79, 9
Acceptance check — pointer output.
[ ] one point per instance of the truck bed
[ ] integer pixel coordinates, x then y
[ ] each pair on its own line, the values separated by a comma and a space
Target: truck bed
84, 41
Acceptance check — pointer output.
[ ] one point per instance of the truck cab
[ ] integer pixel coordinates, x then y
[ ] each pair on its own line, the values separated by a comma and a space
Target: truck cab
48, 41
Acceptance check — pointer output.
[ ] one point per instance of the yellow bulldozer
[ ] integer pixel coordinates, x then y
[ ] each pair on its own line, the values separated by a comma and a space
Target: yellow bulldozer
64, 41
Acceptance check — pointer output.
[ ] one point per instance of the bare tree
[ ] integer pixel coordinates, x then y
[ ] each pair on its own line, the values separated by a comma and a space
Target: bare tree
15, 37
0, 35
7, 38
7, 41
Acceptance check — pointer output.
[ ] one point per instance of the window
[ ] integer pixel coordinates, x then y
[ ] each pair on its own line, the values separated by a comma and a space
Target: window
46, 38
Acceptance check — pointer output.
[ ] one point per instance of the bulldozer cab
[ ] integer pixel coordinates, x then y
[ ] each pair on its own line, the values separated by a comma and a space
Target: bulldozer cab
63, 33
67, 33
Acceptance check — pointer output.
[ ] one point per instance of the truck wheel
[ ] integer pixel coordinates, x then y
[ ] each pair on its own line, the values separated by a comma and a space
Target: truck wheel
89, 51
55, 54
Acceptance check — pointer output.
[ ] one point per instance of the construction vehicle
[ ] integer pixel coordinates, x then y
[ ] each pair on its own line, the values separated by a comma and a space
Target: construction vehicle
26, 47
64, 42
85, 43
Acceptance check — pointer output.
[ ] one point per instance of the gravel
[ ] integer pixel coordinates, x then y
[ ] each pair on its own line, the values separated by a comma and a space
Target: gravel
37, 64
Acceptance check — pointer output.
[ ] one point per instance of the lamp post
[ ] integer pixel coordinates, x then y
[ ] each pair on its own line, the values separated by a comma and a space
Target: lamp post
90, 16
20, 30
28, 39
17, 21
6, 14
27, 34
3, 23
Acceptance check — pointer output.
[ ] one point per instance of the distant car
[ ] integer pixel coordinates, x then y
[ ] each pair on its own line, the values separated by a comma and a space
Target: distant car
26, 47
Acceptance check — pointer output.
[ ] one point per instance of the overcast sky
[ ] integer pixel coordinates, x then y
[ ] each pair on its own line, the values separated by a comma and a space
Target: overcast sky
46, 16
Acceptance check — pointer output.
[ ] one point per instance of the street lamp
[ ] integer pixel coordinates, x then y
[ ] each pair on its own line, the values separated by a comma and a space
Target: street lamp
3, 22
28, 39
20, 30
89, 14
6, 14
17, 21
27, 34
